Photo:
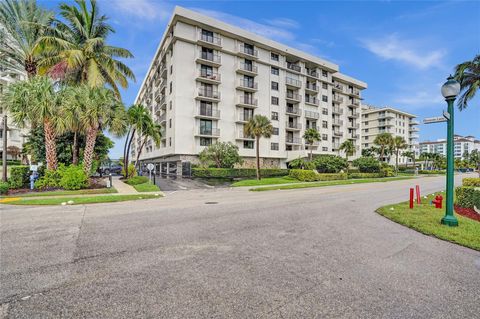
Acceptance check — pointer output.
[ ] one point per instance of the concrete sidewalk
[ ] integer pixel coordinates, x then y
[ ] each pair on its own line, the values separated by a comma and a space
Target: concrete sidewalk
123, 188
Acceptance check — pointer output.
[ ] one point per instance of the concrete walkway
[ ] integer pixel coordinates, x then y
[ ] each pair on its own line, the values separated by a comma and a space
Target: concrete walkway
121, 187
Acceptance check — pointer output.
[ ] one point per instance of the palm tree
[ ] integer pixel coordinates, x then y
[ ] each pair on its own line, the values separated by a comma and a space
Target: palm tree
138, 119
384, 141
258, 126
410, 155
22, 24
80, 44
369, 152
100, 110
398, 143
37, 101
468, 74
311, 136
348, 147
152, 131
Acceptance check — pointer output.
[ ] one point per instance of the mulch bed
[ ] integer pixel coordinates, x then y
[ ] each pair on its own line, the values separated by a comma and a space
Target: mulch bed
467, 212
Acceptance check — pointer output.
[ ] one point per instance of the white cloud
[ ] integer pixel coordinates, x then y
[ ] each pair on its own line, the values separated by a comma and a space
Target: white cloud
283, 23
142, 9
392, 47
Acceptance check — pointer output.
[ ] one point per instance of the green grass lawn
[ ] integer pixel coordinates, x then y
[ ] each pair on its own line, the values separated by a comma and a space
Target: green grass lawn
265, 181
146, 187
63, 192
330, 183
81, 200
426, 219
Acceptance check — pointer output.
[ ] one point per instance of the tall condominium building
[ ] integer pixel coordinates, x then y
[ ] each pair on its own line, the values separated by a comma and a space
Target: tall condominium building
377, 120
209, 78
462, 145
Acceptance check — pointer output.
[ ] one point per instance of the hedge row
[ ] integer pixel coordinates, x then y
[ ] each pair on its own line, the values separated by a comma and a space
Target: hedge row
468, 197
12, 162
431, 172
471, 181
365, 175
236, 172
19, 176
312, 176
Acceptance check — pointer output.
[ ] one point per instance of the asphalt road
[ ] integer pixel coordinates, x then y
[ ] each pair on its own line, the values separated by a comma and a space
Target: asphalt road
230, 253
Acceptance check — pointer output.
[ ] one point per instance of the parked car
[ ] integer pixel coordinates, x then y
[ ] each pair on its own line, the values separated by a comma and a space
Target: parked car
112, 169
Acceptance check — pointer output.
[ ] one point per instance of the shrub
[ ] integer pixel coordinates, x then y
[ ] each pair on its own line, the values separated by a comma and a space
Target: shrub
431, 172
12, 162
471, 181
387, 171
301, 163
135, 180
220, 155
367, 165
237, 172
467, 197
74, 178
51, 178
4, 186
19, 176
329, 163
365, 175
131, 171
312, 176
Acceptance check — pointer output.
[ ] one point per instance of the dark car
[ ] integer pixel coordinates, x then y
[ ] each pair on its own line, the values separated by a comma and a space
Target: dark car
112, 169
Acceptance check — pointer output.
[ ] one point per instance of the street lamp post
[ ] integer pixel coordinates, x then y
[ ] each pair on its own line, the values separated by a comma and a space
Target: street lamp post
450, 90
4, 148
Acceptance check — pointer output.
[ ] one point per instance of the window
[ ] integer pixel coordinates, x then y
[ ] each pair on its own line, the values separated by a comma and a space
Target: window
205, 141
324, 124
324, 137
248, 144
206, 71
366, 116
170, 87
171, 69
366, 130
170, 123
274, 86
325, 111
275, 71
275, 116
325, 149
324, 86
170, 105
324, 73
169, 141
366, 123
274, 56
274, 146
206, 108
324, 98
366, 138
205, 127
274, 100
275, 131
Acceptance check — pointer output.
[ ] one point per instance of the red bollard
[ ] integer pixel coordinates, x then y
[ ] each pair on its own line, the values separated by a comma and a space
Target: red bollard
411, 198
419, 200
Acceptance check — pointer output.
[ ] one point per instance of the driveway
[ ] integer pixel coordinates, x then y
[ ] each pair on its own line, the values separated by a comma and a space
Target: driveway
230, 253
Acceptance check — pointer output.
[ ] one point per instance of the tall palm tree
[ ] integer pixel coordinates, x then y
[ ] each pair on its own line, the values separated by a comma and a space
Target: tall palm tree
80, 43
153, 131
311, 136
37, 101
410, 155
383, 141
398, 143
348, 147
22, 24
468, 74
100, 110
138, 119
258, 126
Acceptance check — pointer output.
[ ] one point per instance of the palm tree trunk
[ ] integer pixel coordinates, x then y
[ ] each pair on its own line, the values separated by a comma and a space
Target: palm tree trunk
258, 156
89, 149
50, 146
396, 162
125, 145
30, 68
140, 152
75, 149
311, 152
125, 166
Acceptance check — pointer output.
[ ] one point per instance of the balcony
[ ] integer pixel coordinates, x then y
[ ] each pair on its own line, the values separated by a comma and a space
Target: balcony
207, 113
293, 97
247, 101
163, 71
311, 100
414, 136
162, 118
354, 103
311, 73
337, 110
209, 77
354, 137
243, 118
353, 125
208, 94
247, 52
293, 140
385, 123
312, 115
336, 122
244, 137
209, 40
293, 82
247, 85
316, 128
163, 86
292, 126
414, 129
337, 133
247, 68
337, 87
386, 116
335, 146
311, 87
337, 99
208, 132
293, 111
414, 122
354, 92
294, 67
353, 114
211, 59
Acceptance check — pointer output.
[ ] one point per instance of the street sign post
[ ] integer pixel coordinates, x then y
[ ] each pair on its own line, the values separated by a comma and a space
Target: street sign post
150, 168
437, 119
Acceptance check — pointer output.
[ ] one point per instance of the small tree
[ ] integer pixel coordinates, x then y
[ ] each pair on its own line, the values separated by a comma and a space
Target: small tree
221, 154
258, 126
398, 143
384, 141
311, 136
410, 155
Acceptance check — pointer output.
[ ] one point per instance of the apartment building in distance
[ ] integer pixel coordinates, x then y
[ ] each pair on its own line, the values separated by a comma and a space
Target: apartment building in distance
462, 145
208, 78
377, 120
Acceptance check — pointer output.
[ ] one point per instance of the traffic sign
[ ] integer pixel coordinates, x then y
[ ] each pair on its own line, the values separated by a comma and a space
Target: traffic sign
438, 119
150, 166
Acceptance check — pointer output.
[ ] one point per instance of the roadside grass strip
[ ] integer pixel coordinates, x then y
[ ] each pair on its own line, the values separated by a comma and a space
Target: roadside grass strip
265, 181
146, 187
63, 192
330, 183
81, 200
425, 218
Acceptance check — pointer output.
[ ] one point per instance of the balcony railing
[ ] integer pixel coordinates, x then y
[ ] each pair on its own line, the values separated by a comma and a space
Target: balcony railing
293, 140
294, 67
248, 51
337, 133
337, 110
316, 128
247, 84
336, 146
213, 39
293, 82
311, 87
312, 115
337, 122
209, 112
294, 96
414, 122
337, 86
355, 92
242, 117
293, 110
353, 125
212, 57
354, 136
353, 114
337, 99
385, 116
247, 100
210, 93
209, 131
162, 118
414, 129
354, 103
248, 67
293, 125
312, 73
241, 135
210, 76
311, 100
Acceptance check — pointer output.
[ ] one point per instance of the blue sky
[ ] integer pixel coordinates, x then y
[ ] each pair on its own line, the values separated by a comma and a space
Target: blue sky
404, 50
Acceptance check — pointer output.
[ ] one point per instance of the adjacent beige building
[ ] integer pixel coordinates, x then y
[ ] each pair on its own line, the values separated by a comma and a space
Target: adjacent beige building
209, 78
377, 120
